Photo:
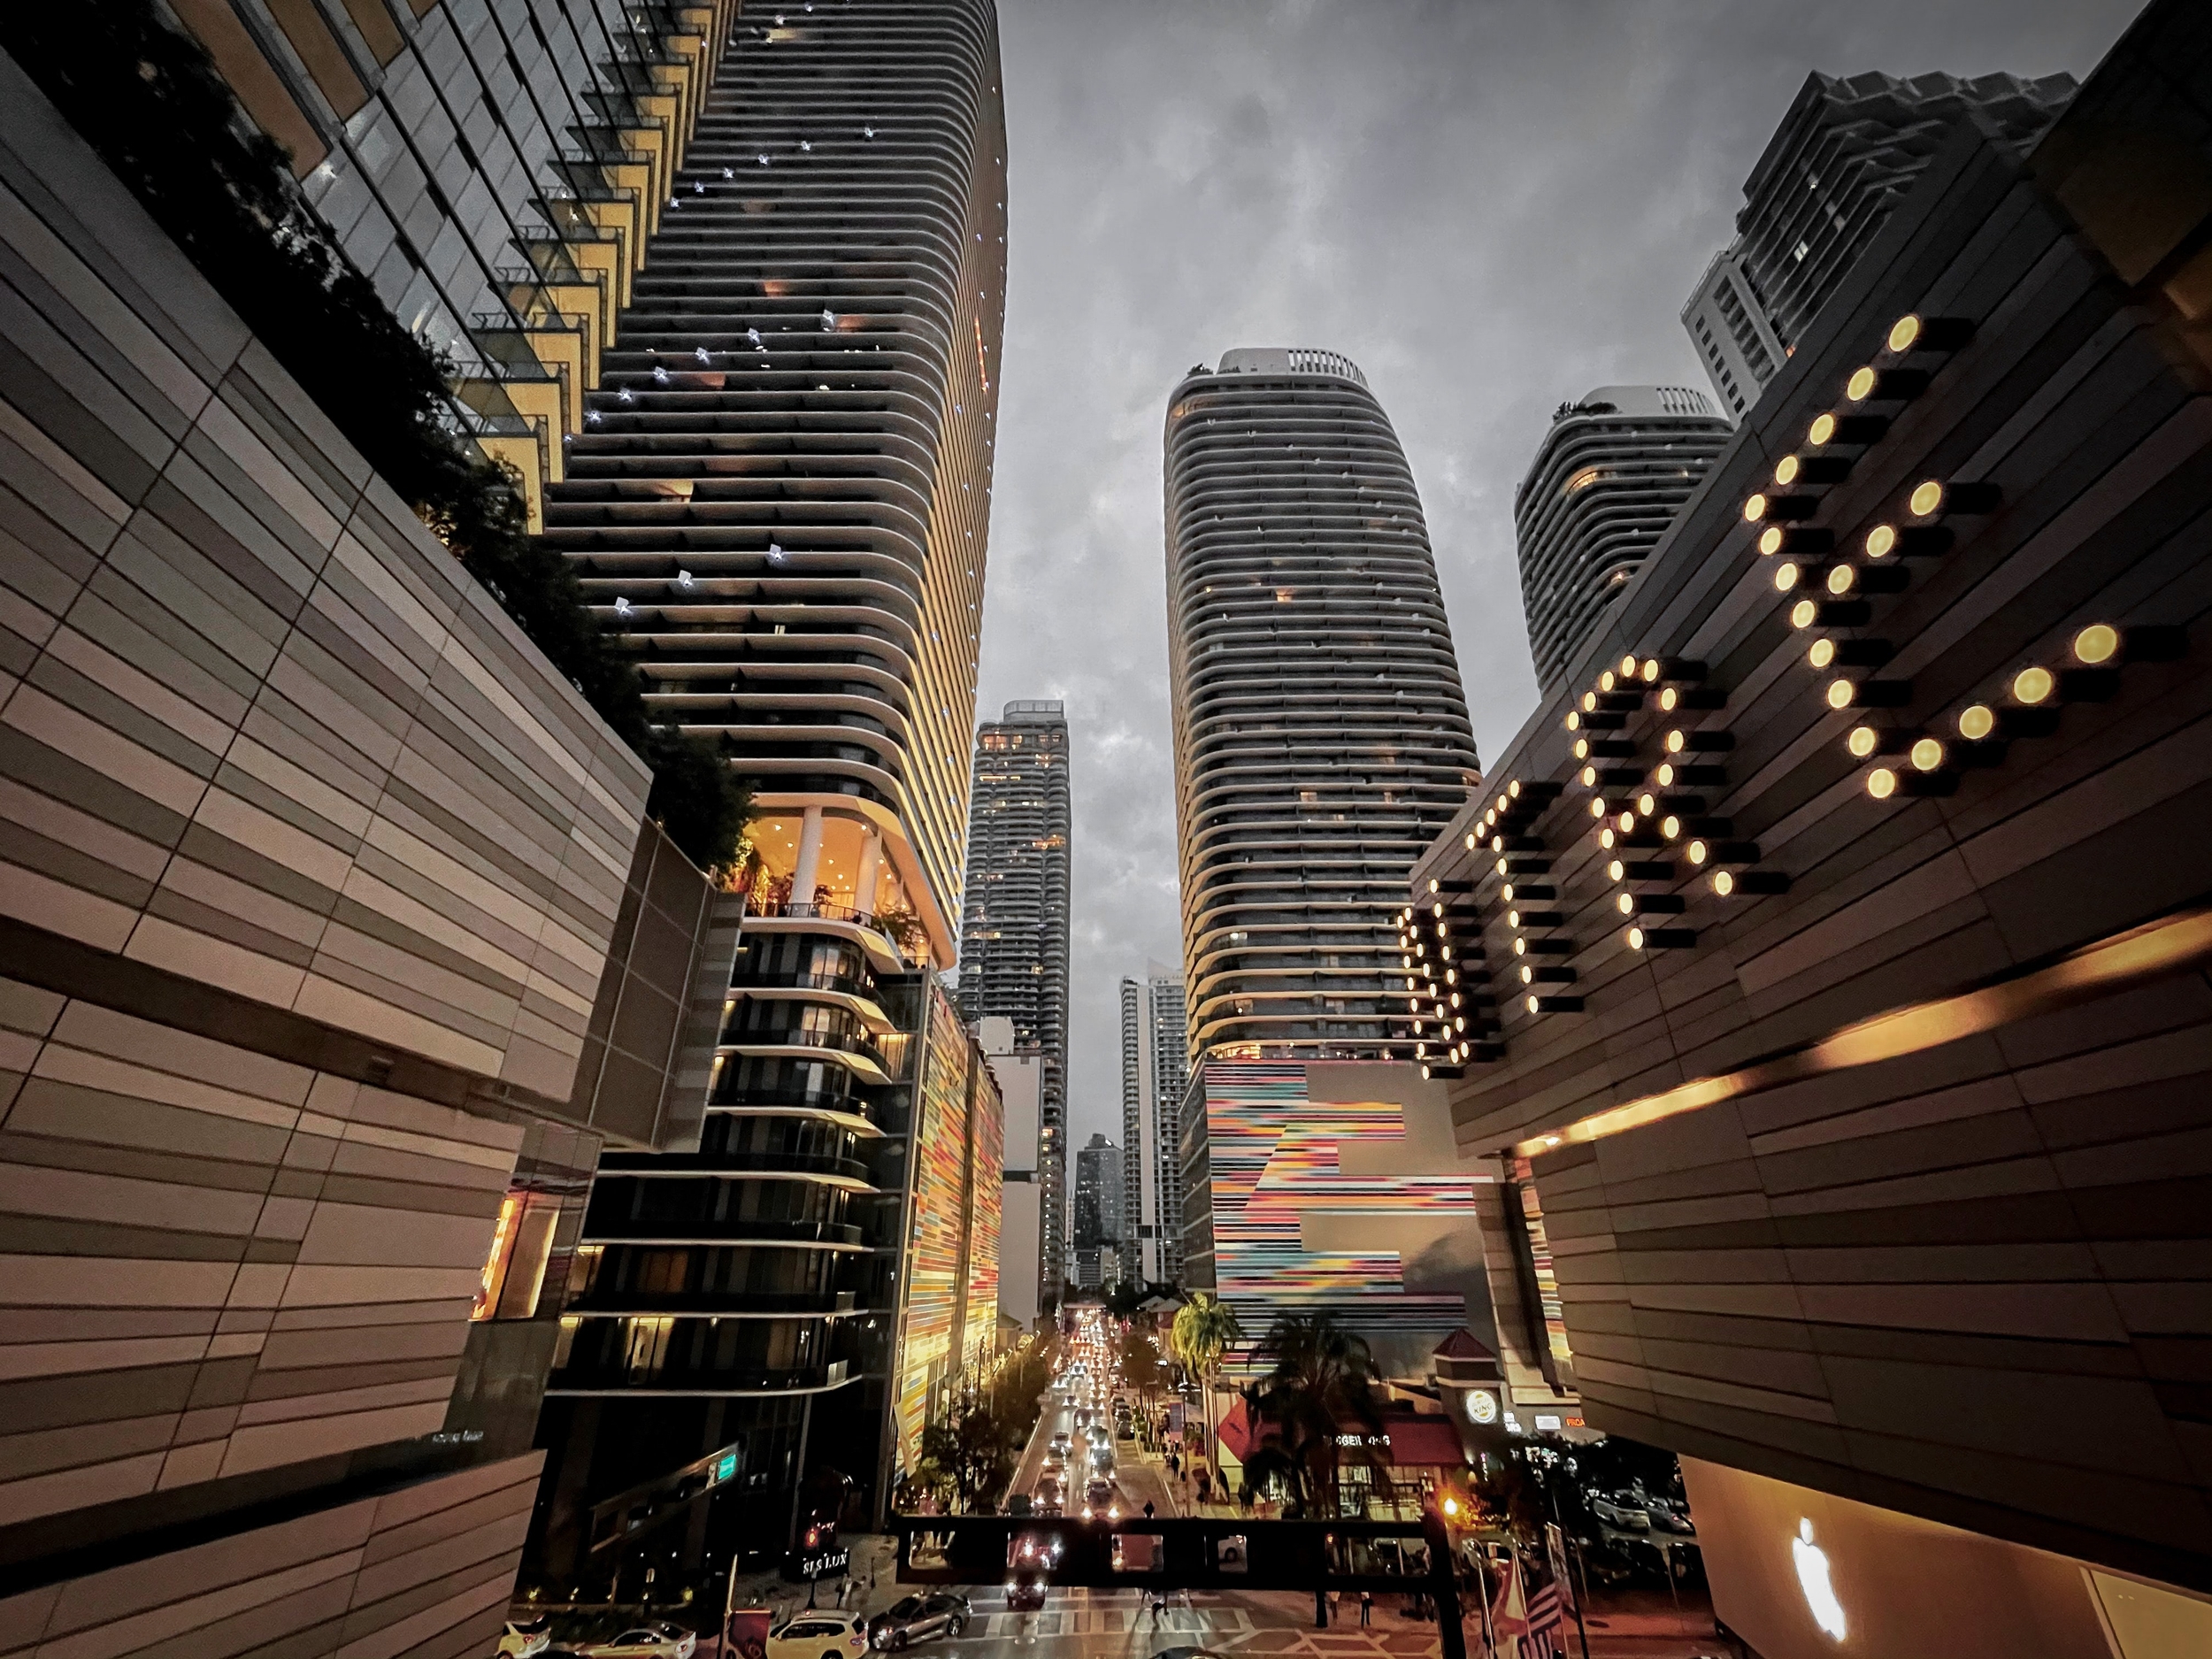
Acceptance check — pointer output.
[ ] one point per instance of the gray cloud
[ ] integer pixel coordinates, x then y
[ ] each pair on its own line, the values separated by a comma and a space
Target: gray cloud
1490, 207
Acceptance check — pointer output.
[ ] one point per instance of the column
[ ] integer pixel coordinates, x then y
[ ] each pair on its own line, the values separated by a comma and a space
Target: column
807, 871
870, 869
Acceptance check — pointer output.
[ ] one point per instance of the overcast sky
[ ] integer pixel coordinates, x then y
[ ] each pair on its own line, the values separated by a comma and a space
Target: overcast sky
1490, 208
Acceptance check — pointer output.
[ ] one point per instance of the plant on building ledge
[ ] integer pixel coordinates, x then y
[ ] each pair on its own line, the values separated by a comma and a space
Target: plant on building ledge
150, 101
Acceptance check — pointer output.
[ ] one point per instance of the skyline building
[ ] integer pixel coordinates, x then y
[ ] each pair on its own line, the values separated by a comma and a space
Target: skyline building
1099, 1199
1014, 931
1606, 480
778, 506
1845, 153
1155, 1067
1321, 735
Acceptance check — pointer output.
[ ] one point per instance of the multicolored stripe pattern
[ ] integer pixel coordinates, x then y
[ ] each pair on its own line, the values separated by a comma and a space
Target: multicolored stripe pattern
1273, 1154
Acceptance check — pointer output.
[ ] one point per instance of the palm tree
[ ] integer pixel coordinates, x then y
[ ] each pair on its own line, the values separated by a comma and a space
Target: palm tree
1204, 1326
1323, 1383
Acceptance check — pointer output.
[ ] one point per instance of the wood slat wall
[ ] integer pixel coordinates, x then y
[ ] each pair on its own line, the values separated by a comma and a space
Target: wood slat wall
212, 1262
1966, 1281
425, 1572
256, 728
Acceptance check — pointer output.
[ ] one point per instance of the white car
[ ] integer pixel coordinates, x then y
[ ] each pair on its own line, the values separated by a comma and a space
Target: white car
659, 1640
655, 1640
824, 1634
523, 1638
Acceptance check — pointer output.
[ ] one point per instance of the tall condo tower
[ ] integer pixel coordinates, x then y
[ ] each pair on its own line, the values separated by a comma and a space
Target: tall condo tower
1606, 483
781, 506
1844, 156
1014, 932
1155, 1066
1321, 736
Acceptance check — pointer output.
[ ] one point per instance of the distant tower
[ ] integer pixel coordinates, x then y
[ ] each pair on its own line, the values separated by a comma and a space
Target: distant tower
1099, 1203
1606, 480
1841, 160
1155, 1065
1014, 932
1321, 736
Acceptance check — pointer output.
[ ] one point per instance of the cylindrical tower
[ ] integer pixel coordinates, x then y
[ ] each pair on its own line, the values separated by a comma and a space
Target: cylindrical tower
1321, 736
1606, 483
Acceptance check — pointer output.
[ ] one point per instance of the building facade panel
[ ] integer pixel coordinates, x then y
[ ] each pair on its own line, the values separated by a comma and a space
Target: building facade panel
1862, 1121
313, 872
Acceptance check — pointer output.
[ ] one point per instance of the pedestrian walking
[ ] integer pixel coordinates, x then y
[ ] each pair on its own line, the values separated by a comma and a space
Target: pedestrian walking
1366, 1608
1336, 1598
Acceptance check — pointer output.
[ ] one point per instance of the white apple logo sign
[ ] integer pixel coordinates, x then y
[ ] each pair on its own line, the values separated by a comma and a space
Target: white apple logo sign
1812, 1577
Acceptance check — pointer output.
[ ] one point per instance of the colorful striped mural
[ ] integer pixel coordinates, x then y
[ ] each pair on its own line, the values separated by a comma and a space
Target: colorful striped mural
1273, 1156
950, 1310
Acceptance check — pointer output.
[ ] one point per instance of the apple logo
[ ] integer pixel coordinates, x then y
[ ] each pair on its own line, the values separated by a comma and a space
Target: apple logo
1812, 1577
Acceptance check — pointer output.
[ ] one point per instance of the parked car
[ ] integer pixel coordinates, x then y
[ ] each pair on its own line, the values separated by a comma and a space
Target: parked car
658, 1640
1619, 1511
526, 1638
913, 1618
824, 1634
1668, 1516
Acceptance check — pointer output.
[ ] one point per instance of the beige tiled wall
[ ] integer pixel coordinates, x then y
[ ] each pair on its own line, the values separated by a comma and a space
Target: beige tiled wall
212, 1262
256, 728
309, 865
425, 1571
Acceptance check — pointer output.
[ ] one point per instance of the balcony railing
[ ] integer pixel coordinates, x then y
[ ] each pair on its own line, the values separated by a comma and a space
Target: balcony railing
704, 1380
799, 1037
611, 1302
848, 984
702, 1230
816, 1099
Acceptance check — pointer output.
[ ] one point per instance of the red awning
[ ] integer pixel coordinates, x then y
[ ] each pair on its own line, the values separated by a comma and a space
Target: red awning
1423, 1442
1234, 1431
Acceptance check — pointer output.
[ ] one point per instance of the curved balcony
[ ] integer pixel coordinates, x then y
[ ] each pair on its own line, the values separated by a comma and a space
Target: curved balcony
738, 1304
859, 928
860, 1056
841, 983
618, 1380
833, 1235
667, 1166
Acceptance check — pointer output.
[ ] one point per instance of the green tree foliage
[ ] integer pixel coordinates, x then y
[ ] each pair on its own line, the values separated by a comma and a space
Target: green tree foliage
147, 99
1203, 1329
968, 1453
1323, 1384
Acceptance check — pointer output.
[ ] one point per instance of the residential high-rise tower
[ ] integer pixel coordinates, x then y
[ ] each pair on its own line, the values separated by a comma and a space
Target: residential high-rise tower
1606, 483
780, 506
1155, 1066
1844, 156
1014, 931
1321, 736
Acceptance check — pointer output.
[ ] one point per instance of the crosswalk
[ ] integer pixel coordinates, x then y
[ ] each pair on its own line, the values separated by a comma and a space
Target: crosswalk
1113, 1613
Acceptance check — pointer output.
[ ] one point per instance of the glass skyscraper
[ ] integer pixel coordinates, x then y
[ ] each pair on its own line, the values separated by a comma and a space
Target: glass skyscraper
1014, 931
